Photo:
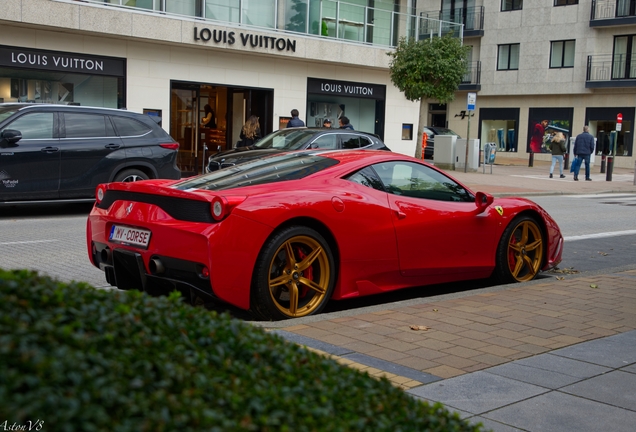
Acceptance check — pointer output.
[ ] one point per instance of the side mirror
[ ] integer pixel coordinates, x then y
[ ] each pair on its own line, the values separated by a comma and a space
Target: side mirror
483, 201
9, 138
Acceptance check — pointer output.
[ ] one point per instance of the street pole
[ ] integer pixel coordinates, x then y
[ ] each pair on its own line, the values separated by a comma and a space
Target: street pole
467, 143
611, 156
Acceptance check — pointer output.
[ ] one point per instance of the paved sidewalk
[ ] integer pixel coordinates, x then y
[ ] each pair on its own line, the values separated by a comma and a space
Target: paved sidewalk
555, 354
516, 178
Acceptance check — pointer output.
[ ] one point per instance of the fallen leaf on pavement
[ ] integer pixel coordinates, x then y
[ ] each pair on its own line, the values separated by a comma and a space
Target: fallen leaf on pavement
567, 270
593, 286
603, 253
434, 310
416, 327
560, 278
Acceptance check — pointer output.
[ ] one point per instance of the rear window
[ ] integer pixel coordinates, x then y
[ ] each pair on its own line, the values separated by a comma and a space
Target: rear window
129, 127
291, 166
287, 139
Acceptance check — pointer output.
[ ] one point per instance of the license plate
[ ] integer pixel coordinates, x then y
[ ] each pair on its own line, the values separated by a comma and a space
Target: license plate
130, 236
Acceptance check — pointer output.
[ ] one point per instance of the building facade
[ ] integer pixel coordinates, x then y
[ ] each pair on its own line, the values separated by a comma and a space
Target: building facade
555, 60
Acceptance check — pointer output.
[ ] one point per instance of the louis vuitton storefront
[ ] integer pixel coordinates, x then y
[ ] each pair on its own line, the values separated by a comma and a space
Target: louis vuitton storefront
45, 76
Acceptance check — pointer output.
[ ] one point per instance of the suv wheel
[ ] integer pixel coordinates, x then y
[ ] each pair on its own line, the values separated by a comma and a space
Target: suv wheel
130, 175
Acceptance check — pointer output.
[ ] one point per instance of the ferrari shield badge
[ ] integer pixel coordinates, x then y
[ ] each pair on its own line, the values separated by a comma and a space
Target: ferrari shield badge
499, 210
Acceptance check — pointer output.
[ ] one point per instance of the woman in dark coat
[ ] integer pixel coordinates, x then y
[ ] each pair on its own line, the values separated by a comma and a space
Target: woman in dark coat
250, 133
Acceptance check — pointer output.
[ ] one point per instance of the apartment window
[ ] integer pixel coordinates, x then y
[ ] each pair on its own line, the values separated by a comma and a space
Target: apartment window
562, 54
565, 2
508, 57
510, 5
624, 57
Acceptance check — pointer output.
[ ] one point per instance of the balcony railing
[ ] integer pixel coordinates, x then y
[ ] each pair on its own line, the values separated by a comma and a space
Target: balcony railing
616, 11
607, 70
319, 18
472, 78
472, 18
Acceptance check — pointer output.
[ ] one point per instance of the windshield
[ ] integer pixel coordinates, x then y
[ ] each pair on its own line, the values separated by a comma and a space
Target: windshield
446, 132
288, 166
287, 139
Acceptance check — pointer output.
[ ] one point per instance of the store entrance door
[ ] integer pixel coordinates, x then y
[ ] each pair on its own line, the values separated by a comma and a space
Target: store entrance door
230, 107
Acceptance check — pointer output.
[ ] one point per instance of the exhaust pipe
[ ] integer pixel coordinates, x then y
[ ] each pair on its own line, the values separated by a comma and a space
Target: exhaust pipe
106, 256
156, 266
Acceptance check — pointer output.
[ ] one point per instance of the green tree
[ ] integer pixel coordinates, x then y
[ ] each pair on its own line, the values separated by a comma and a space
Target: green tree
428, 69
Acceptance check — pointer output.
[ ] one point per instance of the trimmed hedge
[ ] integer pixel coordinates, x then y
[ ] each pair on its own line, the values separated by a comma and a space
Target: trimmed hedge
82, 359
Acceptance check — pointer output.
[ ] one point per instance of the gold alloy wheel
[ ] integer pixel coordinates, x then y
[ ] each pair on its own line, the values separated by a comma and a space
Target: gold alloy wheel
299, 276
525, 251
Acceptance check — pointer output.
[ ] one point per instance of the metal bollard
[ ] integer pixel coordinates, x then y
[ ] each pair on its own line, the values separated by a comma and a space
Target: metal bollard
531, 159
603, 157
634, 173
610, 168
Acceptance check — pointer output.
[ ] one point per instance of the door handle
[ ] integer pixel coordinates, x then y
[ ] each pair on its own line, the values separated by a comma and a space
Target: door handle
49, 149
112, 146
399, 214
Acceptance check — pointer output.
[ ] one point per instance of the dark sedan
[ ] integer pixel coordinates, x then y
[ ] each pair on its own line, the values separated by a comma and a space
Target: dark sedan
297, 139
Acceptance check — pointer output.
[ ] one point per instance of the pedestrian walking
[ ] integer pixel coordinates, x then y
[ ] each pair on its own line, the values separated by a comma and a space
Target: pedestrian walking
583, 148
558, 148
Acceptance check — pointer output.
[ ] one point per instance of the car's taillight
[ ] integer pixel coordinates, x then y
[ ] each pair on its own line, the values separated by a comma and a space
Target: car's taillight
218, 208
170, 146
222, 206
99, 193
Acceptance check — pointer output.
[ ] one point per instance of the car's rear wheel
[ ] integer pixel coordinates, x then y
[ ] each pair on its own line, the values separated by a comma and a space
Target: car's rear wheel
521, 251
131, 175
294, 275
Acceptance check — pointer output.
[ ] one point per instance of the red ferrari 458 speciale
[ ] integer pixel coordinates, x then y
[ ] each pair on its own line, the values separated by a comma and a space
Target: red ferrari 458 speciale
282, 235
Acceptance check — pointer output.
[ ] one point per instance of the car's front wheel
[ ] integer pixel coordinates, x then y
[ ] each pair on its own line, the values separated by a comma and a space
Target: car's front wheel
294, 275
521, 251
130, 175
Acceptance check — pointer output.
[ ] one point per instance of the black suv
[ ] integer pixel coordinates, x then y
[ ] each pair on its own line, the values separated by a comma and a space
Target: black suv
62, 152
298, 138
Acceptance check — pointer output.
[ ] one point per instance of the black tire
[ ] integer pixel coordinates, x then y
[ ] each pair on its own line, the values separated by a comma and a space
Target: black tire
285, 288
131, 175
521, 250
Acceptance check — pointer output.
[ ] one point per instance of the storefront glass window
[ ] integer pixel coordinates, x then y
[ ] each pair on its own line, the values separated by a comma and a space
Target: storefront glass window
61, 88
544, 123
500, 126
602, 121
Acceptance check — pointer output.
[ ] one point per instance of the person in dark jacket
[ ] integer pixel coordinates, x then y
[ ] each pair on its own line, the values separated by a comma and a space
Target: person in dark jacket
295, 121
558, 148
250, 133
583, 148
344, 123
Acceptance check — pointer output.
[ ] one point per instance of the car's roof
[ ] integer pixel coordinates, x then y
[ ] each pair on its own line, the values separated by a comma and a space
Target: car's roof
26, 105
331, 130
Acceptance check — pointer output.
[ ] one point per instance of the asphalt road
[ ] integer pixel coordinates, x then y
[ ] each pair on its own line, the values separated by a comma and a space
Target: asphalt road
600, 232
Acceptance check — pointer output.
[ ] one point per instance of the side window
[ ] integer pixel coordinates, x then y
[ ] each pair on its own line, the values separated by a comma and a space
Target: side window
34, 125
419, 181
87, 126
326, 142
129, 127
365, 142
350, 141
367, 177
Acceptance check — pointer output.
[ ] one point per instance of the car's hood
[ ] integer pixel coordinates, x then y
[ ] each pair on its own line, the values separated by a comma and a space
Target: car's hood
242, 154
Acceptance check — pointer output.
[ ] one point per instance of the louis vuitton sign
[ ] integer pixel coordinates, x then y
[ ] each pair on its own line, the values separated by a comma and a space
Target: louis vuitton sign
61, 61
245, 39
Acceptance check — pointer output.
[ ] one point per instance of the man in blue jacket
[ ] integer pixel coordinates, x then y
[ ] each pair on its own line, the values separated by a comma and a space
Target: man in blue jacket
295, 121
583, 148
